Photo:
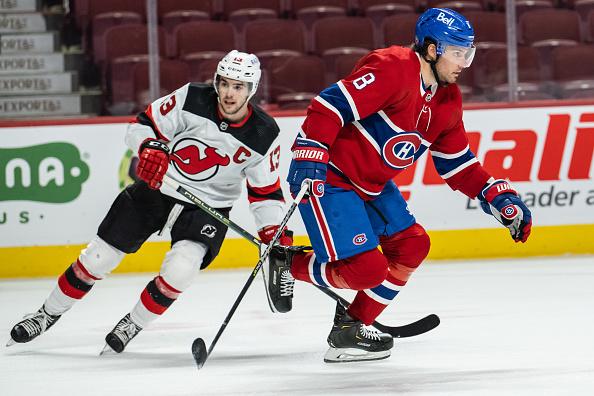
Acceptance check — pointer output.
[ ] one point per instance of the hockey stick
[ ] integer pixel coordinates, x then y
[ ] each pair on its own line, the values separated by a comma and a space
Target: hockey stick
198, 346
421, 326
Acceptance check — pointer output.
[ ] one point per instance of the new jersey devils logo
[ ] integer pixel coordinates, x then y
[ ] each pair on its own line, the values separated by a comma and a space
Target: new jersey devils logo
399, 151
196, 160
209, 230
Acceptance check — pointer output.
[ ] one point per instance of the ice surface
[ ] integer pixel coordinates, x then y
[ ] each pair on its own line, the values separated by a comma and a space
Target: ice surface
509, 327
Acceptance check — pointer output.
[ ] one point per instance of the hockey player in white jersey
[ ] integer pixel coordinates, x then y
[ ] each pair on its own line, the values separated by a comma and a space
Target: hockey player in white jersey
210, 139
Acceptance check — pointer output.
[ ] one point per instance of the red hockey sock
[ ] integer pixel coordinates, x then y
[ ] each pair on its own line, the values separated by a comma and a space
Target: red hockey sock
359, 272
76, 281
158, 295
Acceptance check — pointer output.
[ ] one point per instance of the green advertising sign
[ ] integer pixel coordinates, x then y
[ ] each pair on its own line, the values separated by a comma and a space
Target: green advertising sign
52, 172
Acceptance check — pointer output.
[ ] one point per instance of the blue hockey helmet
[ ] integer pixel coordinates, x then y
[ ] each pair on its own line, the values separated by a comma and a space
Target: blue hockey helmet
445, 28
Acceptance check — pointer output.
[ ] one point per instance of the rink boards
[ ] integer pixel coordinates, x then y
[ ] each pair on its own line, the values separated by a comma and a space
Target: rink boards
58, 179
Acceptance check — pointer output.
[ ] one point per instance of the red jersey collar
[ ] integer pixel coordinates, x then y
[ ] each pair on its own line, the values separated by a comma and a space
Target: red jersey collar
241, 122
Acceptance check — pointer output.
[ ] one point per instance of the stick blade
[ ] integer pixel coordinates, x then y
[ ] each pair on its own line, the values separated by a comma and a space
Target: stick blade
199, 352
421, 326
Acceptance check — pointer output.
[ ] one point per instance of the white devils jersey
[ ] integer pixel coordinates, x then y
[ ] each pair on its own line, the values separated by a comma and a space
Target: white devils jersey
209, 155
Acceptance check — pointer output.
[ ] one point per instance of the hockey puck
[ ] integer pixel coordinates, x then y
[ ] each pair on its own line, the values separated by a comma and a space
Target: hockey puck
199, 352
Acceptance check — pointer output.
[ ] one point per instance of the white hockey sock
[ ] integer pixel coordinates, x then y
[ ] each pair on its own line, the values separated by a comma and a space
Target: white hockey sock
57, 302
141, 315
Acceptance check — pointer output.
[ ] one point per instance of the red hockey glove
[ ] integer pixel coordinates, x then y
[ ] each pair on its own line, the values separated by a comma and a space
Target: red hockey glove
266, 234
153, 156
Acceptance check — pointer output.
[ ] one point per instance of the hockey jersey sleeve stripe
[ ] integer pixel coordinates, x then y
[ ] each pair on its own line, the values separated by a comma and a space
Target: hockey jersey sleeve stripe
273, 192
368, 136
388, 121
449, 156
446, 165
349, 99
275, 196
469, 181
335, 97
333, 109
145, 118
460, 168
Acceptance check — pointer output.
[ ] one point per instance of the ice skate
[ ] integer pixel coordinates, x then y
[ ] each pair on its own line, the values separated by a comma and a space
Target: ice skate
351, 341
278, 280
32, 326
121, 335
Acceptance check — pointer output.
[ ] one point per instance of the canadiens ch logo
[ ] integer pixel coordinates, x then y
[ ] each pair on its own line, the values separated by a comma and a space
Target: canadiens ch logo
196, 160
509, 212
360, 239
209, 230
399, 151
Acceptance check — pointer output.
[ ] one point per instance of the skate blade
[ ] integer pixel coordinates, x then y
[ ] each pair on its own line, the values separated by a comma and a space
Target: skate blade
107, 351
10, 342
347, 355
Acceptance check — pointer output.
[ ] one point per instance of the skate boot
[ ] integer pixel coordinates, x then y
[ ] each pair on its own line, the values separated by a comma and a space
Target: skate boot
121, 335
278, 279
351, 341
32, 326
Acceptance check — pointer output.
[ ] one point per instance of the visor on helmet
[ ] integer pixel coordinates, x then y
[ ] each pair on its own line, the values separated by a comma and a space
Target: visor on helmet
461, 56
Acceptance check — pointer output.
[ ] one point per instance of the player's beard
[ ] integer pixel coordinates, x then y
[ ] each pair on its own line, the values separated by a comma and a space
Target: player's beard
450, 78
231, 113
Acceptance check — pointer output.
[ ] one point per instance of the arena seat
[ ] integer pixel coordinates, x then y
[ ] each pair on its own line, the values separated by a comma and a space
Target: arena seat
549, 24
203, 36
494, 68
173, 74
274, 34
378, 10
399, 29
294, 82
310, 11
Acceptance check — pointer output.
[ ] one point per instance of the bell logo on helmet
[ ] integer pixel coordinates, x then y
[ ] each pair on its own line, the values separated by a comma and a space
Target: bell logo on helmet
442, 18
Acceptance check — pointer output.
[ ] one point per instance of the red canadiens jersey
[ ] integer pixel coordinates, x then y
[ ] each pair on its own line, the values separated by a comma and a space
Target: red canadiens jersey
380, 119
212, 157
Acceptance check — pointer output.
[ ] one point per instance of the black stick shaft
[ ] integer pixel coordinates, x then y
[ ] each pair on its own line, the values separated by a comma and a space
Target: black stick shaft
394, 331
211, 211
180, 189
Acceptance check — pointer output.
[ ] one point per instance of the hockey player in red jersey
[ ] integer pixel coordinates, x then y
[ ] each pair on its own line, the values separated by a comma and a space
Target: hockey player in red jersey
211, 140
359, 133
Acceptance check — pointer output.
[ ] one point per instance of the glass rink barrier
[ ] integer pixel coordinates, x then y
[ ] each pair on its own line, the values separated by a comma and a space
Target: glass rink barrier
85, 58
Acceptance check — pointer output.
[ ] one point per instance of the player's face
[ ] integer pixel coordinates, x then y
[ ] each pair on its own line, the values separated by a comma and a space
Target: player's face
233, 98
453, 61
448, 71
